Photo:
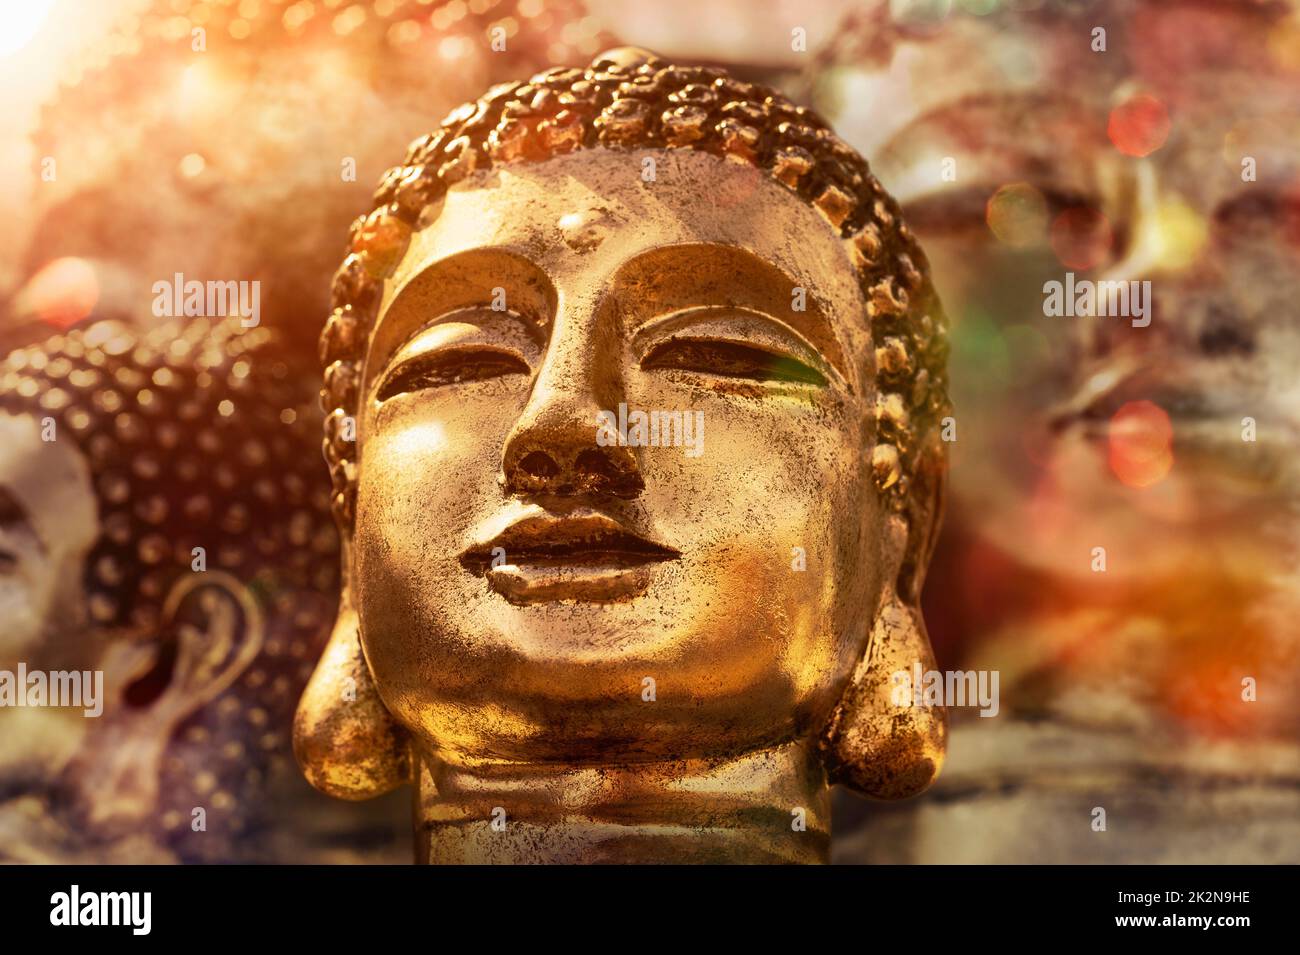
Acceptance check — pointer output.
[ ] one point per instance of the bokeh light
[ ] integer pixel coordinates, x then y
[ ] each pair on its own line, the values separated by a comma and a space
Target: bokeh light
62, 293
1017, 215
1141, 444
1174, 234
1139, 126
191, 165
977, 338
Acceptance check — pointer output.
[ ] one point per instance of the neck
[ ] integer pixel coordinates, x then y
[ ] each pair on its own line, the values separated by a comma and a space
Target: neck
741, 810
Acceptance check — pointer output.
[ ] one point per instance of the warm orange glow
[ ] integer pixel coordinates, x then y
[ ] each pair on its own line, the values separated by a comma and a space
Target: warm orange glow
1284, 44
19, 23
1139, 126
1173, 235
1141, 444
62, 293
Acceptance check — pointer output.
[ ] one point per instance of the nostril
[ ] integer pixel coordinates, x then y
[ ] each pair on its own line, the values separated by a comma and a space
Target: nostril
597, 464
600, 472
539, 464
591, 471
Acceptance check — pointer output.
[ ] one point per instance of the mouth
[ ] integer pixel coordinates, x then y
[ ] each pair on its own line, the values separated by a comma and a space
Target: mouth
587, 557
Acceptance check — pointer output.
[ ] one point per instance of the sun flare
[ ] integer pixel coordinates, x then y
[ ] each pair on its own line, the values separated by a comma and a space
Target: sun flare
19, 21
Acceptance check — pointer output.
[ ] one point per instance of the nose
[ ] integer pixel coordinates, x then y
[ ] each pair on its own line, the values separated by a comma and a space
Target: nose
552, 448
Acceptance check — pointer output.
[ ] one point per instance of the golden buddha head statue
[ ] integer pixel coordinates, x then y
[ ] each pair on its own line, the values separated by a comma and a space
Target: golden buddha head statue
634, 382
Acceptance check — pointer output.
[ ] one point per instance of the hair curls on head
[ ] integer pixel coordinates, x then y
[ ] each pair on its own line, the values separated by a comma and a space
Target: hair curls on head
196, 434
629, 99
193, 433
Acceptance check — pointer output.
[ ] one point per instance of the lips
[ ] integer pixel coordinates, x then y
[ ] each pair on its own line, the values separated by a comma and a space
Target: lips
587, 556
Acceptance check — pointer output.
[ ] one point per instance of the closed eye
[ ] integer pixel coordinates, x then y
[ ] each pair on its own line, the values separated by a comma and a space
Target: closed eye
957, 209
730, 359
451, 366
1258, 210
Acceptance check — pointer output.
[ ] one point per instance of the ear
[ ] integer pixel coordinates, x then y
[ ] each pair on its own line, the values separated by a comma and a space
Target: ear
926, 499
211, 630
218, 630
344, 738
880, 747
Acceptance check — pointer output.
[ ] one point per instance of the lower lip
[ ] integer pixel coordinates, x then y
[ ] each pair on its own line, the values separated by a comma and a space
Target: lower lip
526, 583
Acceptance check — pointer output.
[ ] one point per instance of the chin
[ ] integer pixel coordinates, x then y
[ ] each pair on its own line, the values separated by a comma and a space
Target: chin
603, 733
584, 706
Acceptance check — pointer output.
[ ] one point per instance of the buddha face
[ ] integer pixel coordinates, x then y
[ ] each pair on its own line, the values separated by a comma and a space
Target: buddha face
527, 591
1057, 413
47, 525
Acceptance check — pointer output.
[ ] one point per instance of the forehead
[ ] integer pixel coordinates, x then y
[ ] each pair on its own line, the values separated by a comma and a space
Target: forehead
582, 216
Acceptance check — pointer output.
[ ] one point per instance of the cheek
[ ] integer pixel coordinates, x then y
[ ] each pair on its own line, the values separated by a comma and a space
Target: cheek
428, 466
428, 458
769, 464
775, 513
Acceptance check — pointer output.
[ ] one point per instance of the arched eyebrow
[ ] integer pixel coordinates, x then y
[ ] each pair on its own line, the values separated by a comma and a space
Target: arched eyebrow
15, 518
690, 275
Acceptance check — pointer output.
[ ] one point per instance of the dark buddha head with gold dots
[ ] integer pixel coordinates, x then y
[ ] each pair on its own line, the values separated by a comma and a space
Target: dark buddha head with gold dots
162, 521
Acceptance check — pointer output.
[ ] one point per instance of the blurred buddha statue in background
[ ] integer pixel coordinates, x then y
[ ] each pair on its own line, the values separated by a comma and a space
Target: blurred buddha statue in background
585, 643
1124, 535
222, 140
164, 523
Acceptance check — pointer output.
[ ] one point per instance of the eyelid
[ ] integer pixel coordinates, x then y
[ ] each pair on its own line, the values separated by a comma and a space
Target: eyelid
1258, 206
19, 540
734, 324
477, 329
15, 520
968, 205
451, 366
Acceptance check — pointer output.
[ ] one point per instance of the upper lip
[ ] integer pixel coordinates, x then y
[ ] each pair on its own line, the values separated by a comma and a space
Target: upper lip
589, 538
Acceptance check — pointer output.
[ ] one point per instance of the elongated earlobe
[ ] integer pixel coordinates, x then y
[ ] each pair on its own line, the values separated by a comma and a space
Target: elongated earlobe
345, 740
879, 741
218, 628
